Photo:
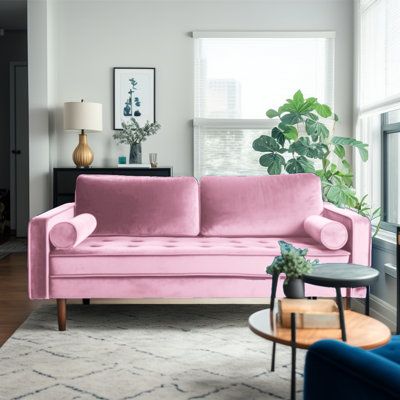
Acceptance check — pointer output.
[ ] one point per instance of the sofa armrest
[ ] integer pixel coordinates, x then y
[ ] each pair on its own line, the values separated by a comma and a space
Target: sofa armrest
359, 229
335, 370
39, 248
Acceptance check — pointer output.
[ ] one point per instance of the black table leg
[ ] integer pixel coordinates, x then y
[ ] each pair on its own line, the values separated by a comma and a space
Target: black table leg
273, 290
293, 345
341, 313
367, 301
273, 356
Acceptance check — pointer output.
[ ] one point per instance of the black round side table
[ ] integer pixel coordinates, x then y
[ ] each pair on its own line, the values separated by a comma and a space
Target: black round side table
343, 276
337, 276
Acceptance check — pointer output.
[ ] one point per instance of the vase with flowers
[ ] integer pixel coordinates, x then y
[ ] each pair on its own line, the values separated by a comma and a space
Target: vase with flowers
133, 134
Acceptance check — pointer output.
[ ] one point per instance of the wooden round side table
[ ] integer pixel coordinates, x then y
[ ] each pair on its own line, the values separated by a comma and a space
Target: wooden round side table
362, 331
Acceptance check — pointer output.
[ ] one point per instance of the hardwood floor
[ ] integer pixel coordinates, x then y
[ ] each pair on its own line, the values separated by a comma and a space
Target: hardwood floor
15, 305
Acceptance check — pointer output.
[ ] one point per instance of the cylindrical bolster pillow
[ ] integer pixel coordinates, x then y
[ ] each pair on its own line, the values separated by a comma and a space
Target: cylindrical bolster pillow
68, 234
332, 234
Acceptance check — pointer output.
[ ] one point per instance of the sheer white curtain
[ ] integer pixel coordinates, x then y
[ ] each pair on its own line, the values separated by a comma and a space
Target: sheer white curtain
238, 76
378, 76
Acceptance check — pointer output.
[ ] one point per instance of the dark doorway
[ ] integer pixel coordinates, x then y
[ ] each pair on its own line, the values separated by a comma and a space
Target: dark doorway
14, 139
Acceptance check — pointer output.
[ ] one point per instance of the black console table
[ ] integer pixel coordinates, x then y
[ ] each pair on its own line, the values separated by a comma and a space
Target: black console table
64, 179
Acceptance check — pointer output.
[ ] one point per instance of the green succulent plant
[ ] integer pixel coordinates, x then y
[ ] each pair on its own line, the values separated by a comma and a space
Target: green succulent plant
291, 262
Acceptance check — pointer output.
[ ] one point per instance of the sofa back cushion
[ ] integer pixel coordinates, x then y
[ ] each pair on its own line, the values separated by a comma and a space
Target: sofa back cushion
274, 205
140, 206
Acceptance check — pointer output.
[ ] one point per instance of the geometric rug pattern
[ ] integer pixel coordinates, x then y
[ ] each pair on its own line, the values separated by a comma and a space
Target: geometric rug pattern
143, 352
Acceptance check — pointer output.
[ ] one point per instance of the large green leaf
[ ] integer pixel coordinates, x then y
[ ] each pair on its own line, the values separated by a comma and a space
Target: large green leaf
298, 99
278, 135
313, 116
308, 105
265, 144
290, 133
282, 126
299, 165
323, 110
286, 108
339, 150
346, 165
317, 130
291, 118
339, 193
304, 147
271, 113
347, 141
273, 162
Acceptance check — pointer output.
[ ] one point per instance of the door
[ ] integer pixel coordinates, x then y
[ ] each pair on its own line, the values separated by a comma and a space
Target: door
19, 148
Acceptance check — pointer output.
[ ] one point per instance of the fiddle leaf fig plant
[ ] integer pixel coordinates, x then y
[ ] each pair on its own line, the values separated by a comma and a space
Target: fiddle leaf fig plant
291, 262
303, 141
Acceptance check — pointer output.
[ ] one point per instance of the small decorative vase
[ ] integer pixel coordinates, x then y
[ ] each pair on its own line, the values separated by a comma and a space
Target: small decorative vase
293, 288
135, 154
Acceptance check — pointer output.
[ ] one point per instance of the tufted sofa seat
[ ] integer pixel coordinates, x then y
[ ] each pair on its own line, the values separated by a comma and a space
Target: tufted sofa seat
178, 238
253, 253
173, 257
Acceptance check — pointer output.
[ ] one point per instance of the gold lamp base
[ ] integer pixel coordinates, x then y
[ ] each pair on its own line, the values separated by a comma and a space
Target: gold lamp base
82, 155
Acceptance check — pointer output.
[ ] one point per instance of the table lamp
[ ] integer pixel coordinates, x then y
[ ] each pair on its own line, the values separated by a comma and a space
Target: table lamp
83, 116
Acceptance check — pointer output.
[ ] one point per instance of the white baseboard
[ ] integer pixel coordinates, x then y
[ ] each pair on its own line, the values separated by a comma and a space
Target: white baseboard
379, 309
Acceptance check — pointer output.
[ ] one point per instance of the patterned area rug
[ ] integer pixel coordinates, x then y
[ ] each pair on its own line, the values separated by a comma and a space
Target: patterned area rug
123, 352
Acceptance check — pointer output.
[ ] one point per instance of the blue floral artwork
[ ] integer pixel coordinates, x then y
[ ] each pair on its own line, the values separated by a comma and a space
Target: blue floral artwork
134, 95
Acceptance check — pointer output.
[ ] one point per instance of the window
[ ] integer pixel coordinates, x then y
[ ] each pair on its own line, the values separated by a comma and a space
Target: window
391, 166
379, 52
378, 96
238, 76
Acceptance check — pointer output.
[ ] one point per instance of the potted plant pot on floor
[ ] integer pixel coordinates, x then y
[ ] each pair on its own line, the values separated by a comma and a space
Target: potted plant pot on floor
293, 263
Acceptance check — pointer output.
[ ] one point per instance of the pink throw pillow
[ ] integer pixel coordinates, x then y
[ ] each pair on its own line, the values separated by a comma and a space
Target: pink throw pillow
332, 234
68, 234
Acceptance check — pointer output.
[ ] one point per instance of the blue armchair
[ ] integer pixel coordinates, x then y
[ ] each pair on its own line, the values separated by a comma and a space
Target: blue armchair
336, 371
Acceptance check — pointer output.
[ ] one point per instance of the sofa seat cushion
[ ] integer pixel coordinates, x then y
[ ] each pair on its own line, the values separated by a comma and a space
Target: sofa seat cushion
139, 256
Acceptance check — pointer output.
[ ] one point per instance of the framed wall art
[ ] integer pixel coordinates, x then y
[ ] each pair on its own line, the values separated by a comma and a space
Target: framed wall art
134, 95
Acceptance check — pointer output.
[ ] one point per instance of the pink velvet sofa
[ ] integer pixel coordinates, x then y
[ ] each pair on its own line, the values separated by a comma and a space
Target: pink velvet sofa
141, 237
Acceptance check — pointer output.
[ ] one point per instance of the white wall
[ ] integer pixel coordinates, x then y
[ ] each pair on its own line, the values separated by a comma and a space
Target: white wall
74, 44
39, 154
92, 37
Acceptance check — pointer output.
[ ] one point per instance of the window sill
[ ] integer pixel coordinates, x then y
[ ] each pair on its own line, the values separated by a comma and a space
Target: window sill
386, 236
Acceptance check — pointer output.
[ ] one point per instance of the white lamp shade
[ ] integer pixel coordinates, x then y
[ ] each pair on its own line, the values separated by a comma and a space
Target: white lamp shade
83, 115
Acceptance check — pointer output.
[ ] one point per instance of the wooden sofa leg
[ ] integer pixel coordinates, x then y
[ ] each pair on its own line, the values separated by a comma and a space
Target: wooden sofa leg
62, 314
86, 301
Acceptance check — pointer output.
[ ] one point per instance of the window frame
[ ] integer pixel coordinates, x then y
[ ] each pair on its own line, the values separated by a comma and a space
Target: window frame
245, 123
386, 130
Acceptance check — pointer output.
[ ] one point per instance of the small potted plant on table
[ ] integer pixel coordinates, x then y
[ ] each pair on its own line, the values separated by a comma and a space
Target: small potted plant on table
294, 265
